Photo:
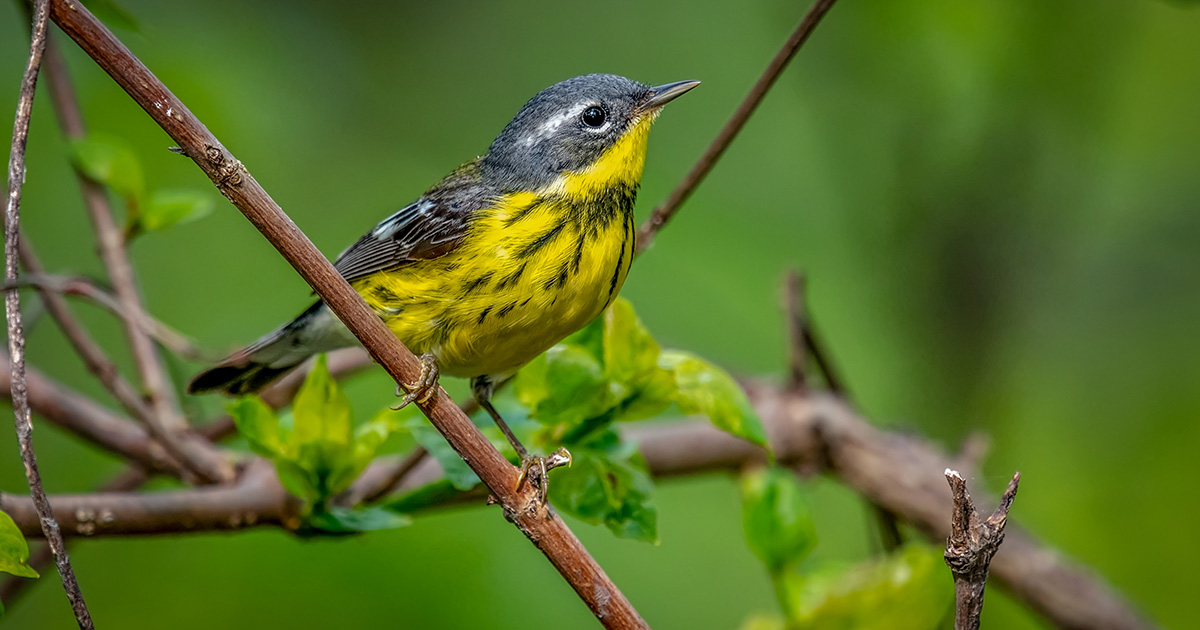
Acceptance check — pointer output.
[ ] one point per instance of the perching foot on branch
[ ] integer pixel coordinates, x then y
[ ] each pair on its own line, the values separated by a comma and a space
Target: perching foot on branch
426, 385
970, 548
534, 469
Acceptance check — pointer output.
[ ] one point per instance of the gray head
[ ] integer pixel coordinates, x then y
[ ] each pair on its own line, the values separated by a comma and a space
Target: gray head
568, 126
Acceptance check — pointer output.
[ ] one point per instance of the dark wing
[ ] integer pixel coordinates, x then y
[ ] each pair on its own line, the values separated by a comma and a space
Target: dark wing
428, 228
422, 230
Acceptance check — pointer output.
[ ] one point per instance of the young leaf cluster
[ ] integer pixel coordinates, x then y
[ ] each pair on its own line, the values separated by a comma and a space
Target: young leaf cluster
317, 450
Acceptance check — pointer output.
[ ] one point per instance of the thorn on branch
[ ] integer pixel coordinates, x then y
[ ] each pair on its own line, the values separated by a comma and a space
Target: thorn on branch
971, 546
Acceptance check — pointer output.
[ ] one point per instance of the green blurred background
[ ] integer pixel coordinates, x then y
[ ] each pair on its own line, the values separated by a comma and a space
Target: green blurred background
996, 203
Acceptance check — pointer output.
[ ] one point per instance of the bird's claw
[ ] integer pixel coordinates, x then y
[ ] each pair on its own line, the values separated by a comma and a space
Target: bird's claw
425, 386
535, 469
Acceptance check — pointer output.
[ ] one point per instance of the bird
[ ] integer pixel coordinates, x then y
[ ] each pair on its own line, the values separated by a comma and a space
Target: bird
500, 260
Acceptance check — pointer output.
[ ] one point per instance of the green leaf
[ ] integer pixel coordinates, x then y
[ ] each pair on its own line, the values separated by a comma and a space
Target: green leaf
14, 551
908, 590
322, 432
630, 353
297, 480
655, 395
112, 162
565, 385
706, 389
610, 489
776, 519
321, 409
456, 470
257, 422
340, 520
112, 15
171, 207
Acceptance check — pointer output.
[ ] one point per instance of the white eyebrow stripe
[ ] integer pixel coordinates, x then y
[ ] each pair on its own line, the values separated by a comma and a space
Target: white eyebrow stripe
548, 128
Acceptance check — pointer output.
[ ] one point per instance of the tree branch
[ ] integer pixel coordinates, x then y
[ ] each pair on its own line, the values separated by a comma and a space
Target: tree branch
13, 586
691, 181
970, 547
12, 302
811, 433
521, 504
795, 308
164, 421
49, 284
88, 350
78, 414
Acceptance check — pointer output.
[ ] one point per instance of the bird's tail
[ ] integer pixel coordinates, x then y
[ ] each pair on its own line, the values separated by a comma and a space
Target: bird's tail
252, 368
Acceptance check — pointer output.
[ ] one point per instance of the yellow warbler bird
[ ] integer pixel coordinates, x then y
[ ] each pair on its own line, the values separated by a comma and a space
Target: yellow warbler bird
501, 259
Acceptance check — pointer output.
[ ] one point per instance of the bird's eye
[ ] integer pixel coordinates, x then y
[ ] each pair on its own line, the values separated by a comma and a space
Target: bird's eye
594, 116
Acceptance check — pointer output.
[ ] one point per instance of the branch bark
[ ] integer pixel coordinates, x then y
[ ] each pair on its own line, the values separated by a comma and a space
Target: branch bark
971, 546
12, 303
78, 414
521, 505
691, 181
82, 342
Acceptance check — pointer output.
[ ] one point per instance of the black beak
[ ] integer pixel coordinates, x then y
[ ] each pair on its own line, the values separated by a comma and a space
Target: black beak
664, 94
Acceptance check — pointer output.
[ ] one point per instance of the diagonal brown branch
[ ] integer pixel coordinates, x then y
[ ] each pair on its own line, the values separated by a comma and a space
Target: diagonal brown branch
521, 505
12, 303
164, 421
691, 181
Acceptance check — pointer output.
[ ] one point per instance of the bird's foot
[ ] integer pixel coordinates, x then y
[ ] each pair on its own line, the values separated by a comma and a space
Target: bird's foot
425, 386
535, 470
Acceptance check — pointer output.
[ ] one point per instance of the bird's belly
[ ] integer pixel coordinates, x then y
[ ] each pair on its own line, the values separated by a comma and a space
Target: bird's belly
491, 306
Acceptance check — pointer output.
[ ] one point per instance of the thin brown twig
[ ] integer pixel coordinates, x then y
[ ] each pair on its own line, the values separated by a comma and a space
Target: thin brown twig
796, 312
77, 286
12, 302
816, 349
165, 421
691, 181
802, 343
85, 346
521, 503
970, 547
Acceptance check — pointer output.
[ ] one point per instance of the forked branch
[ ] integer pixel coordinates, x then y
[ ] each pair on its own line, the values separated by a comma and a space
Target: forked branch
970, 548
